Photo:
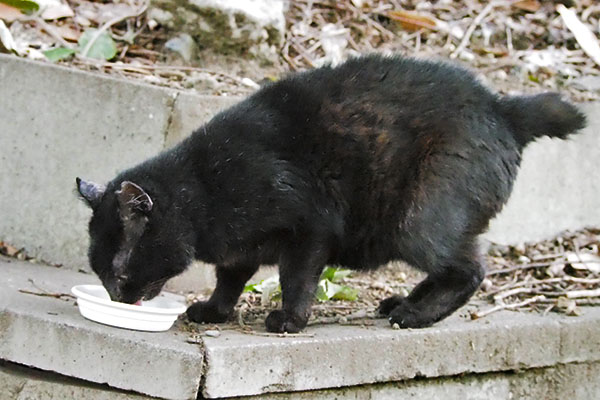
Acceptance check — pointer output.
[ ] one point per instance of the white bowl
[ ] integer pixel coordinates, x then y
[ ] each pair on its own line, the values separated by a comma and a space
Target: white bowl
154, 315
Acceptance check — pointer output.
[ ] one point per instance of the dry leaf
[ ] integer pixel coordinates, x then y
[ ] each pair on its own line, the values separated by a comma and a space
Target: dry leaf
68, 33
584, 261
6, 38
584, 36
527, 5
7, 249
568, 306
8, 13
412, 21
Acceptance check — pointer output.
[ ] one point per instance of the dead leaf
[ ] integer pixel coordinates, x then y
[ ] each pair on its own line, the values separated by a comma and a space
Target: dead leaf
584, 36
8, 13
584, 261
68, 33
527, 5
6, 38
58, 11
412, 21
8, 250
568, 306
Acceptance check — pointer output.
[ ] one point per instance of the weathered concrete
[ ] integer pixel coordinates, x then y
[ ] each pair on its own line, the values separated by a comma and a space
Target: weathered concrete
237, 364
353, 356
57, 123
191, 110
572, 381
21, 383
50, 334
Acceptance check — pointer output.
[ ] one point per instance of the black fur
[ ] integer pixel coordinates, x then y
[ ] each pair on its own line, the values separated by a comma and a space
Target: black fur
379, 159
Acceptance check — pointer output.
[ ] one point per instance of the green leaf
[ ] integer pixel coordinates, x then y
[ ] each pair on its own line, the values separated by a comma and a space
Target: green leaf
27, 6
334, 274
58, 53
251, 288
328, 290
346, 293
104, 48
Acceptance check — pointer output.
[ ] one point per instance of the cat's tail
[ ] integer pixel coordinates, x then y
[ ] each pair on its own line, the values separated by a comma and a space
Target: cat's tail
544, 114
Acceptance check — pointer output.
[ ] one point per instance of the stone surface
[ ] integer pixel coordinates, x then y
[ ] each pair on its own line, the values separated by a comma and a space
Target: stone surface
572, 381
21, 383
229, 27
339, 356
50, 334
59, 123
190, 110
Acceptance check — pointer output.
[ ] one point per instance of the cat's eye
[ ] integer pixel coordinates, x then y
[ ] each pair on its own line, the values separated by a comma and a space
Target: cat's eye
122, 277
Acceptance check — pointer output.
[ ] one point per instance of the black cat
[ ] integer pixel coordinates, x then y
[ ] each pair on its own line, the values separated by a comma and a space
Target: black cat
378, 159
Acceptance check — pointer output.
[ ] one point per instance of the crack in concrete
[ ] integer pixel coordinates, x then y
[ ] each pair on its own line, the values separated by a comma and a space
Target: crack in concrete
171, 110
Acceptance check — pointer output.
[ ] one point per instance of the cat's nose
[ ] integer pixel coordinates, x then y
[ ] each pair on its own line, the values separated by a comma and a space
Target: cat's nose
114, 291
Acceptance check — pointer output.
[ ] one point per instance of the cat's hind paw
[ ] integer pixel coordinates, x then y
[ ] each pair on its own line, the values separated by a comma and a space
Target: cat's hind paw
406, 315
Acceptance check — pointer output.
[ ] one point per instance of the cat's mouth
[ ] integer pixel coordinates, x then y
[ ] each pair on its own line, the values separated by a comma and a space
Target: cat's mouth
152, 290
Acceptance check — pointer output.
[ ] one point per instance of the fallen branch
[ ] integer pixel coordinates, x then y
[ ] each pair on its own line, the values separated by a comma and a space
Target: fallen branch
481, 314
45, 294
578, 294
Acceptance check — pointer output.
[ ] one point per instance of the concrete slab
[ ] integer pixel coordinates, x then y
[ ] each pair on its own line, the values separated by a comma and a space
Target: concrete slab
21, 383
50, 334
190, 110
571, 381
57, 123
338, 356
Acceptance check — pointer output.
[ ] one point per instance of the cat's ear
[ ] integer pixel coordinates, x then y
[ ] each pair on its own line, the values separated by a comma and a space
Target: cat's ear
133, 200
91, 192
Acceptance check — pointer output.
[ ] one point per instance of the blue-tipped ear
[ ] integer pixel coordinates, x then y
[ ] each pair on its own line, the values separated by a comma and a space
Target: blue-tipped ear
91, 192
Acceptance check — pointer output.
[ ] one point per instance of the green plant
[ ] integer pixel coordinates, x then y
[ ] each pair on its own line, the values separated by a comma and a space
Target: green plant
327, 289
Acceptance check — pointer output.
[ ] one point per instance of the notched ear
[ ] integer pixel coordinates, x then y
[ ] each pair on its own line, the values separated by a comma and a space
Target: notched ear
133, 200
91, 192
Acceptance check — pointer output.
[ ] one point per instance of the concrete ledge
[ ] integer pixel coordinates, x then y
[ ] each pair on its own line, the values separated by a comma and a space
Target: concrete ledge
49, 334
22, 383
57, 123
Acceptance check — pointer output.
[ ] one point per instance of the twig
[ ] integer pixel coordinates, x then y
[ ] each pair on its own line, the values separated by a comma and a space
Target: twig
467, 37
281, 335
49, 29
481, 314
110, 23
577, 294
44, 294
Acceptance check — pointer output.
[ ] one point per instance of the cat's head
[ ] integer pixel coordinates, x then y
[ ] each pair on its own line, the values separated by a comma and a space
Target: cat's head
133, 246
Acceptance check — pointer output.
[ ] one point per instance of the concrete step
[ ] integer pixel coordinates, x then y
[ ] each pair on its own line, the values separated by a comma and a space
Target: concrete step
48, 333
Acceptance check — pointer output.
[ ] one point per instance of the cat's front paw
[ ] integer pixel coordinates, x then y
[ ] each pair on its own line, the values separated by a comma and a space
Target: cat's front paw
279, 321
406, 315
204, 311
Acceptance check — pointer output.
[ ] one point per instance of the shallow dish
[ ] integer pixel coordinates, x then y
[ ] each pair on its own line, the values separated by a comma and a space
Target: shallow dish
154, 315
